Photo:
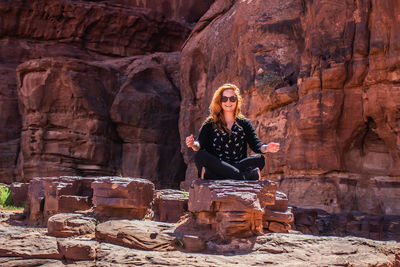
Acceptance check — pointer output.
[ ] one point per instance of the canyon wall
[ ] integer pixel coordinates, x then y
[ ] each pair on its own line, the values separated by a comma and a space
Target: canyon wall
321, 78
79, 63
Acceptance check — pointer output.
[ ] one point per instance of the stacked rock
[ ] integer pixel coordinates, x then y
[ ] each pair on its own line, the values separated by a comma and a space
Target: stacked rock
232, 208
278, 218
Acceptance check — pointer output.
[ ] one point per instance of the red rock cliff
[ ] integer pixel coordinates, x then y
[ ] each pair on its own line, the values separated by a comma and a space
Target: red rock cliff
320, 77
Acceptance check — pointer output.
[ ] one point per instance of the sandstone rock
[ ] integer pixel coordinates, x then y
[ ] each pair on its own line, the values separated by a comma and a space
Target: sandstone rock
78, 250
51, 195
105, 28
278, 216
21, 262
319, 222
29, 245
69, 224
66, 126
122, 197
143, 235
193, 243
188, 11
328, 94
170, 205
149, 88
232, 208
19, 193
281, 202
277, 227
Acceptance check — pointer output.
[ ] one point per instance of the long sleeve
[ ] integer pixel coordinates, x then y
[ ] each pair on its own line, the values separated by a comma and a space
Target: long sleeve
204, 136
251, 136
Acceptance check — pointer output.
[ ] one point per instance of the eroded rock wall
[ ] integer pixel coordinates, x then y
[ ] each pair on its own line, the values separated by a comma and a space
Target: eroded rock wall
321, 78
91, 31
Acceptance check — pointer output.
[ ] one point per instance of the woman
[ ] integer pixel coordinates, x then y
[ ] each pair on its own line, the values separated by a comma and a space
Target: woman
222, 143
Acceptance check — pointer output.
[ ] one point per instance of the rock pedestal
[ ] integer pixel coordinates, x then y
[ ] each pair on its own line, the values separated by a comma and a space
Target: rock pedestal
278, 217
121, 197
232, 208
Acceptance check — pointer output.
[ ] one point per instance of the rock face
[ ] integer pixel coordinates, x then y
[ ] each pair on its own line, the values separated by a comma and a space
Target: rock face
19, 193
326, 89
232, 208
121, 198
92, 31
319, 222
145, 112
66, 126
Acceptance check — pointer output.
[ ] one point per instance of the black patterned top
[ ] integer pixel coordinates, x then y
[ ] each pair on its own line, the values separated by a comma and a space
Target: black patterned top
229, 148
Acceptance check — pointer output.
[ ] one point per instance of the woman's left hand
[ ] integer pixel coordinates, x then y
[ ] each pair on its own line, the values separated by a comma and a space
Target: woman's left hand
271, 147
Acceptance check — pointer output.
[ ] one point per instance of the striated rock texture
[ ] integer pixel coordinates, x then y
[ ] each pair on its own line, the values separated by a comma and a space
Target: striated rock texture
70, 224
170, 205
52, 195
31, 247
66, 128
145, 112
231, 208
321, 78
94, 31
121, 197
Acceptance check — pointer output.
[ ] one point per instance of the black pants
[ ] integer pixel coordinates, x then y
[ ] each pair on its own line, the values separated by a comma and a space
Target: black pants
217, 169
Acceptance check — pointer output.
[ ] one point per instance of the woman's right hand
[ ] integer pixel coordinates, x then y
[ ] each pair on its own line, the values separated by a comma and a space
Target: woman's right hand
191, 143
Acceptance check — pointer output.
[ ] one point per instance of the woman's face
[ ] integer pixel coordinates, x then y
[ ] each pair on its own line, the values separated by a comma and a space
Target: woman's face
226, 100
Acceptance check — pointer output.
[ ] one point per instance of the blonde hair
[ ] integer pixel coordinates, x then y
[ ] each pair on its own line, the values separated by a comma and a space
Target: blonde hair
216, 112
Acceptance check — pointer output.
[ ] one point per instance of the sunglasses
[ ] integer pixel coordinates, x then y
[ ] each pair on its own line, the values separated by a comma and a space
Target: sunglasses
225, 98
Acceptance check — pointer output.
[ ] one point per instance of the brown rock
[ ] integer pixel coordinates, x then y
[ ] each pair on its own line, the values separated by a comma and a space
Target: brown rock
69, 224
122, 197
51, 195
278, 216
60, 140
19, 193
170, 205
29, 245
78, 250
281, 202
232, 208
150, 88
193, 243
105, 28
277, 227
339, 117
143, 235
21, 262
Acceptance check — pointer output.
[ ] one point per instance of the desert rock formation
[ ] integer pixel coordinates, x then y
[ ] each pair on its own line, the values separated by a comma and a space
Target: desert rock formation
321, 78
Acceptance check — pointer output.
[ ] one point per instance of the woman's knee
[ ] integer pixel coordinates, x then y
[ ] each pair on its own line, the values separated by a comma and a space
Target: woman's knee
261, 162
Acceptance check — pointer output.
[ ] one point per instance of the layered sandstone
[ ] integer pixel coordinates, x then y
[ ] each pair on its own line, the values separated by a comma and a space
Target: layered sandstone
319, 77
231, 208
121, 197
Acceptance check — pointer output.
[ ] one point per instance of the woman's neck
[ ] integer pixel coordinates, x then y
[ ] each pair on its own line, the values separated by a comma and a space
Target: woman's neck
229, 117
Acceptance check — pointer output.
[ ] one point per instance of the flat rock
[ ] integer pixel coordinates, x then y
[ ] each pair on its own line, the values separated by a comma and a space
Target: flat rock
70, 224
122, 197
143, 235
78, 250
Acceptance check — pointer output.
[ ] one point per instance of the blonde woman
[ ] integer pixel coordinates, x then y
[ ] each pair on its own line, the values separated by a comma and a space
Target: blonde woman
222, 143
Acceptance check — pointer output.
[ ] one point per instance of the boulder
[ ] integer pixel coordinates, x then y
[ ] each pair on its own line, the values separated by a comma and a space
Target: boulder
52, 195
121, 197
19, 193
142, 235
70, 224
78, 250
232, 208
170, 205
